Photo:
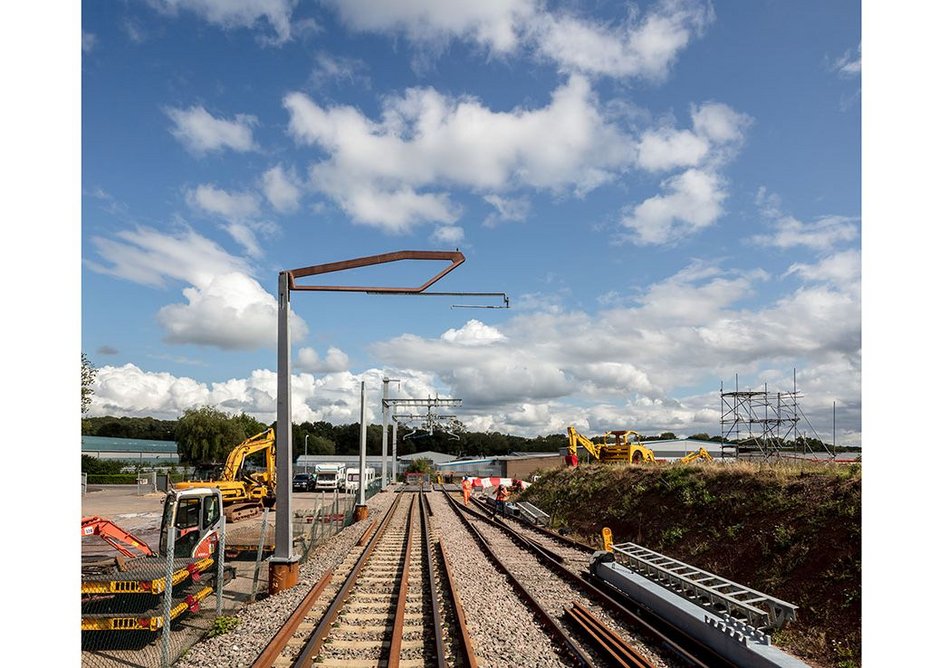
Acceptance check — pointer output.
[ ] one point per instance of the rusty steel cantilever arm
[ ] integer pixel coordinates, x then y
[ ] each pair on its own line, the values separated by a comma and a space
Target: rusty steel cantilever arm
456, 258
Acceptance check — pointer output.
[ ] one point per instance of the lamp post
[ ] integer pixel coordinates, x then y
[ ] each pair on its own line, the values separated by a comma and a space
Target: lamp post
306, 465
284, 565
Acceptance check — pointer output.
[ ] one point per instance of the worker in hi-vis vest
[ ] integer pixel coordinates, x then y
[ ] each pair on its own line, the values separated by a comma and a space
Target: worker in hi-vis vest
467, 490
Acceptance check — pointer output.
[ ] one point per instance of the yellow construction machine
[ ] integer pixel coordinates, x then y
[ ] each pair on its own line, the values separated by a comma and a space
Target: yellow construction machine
244, 494
624, 447
700, 453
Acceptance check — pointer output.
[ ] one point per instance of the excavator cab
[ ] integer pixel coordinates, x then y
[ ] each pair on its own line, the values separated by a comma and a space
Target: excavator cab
195, 517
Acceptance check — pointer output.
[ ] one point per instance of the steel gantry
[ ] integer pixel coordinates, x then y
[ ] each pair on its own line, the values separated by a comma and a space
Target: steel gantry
388, 406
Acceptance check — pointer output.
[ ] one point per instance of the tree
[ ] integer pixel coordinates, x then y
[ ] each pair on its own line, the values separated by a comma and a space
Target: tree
207, 434
420, 466
88, 378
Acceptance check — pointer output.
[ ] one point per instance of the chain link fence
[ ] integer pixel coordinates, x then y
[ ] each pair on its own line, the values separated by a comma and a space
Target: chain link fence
148, 611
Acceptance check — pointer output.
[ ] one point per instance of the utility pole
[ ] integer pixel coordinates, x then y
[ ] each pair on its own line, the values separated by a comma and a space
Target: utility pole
361, 510
384, 431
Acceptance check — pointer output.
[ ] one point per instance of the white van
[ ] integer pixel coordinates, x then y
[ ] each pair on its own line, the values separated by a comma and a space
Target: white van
330, 477
352, 479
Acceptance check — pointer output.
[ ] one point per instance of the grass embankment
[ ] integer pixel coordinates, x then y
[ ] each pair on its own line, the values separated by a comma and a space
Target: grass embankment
792, 531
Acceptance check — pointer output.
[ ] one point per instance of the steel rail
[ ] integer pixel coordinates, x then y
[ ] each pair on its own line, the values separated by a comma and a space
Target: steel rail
616, 649
279, 641
315, 641
652, 626
397, 628
467, 653
561, 636
432, 583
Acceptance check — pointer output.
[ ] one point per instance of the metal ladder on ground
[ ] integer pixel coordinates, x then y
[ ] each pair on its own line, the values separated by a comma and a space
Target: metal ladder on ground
707, 589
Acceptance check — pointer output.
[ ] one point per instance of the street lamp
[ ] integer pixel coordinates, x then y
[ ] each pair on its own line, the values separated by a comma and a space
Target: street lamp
306, 466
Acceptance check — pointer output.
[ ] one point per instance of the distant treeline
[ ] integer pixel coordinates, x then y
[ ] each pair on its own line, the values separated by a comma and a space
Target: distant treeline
145, 428
207, 434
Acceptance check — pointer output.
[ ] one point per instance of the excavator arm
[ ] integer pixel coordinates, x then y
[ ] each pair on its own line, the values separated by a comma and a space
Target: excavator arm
236, 458
575, 439
121, 540
701, 453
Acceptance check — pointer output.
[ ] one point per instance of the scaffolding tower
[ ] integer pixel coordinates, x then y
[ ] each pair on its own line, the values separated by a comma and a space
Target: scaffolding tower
761, 423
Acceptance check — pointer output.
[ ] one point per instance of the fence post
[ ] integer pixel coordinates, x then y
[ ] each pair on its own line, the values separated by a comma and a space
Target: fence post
257, 563
168, 594
84, 483
220, 559
335, 510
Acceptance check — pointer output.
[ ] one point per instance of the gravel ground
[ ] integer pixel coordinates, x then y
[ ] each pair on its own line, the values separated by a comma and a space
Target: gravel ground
575, 560
555, 594
502, 628
258, 623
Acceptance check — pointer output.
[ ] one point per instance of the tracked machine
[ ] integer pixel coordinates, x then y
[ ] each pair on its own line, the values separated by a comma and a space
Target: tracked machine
244, 494
124, 592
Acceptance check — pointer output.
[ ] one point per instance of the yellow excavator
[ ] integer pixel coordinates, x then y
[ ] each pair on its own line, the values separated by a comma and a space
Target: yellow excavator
244, 494
624, 447
621, 446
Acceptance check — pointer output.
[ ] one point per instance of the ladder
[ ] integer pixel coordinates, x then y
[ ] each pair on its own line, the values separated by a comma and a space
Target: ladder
707, 589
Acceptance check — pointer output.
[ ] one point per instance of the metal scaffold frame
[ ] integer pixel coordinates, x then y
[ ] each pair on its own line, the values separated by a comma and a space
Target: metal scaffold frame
764, 421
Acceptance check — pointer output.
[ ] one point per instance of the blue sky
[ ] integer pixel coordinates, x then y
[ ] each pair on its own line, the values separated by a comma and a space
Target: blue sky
669, 192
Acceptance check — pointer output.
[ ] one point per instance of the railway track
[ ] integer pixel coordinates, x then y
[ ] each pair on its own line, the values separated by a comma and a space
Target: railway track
552, 596
569, 560
382, 606
397, 600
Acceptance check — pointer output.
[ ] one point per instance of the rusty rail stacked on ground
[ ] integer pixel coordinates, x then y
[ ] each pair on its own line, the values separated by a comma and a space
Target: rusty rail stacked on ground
616, 650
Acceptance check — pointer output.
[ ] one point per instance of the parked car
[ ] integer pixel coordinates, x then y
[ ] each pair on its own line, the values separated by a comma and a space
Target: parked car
304, 482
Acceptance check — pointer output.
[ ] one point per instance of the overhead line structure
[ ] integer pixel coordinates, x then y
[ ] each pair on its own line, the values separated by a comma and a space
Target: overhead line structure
285, 566
389, 407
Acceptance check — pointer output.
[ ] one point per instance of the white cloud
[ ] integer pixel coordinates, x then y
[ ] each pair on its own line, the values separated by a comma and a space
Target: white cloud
239, 209
508, 209
668, 148
281, 188
333, 397
692, 202
718, 134
849, 64
622, 367
379, 171
225, 307
685, 330
841, 269
201, 132
493, 23
150, 257
308, 360
645, 46
88, 41
228, 205
328, 67
473, 333
231, 14
823, 234
449, 235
